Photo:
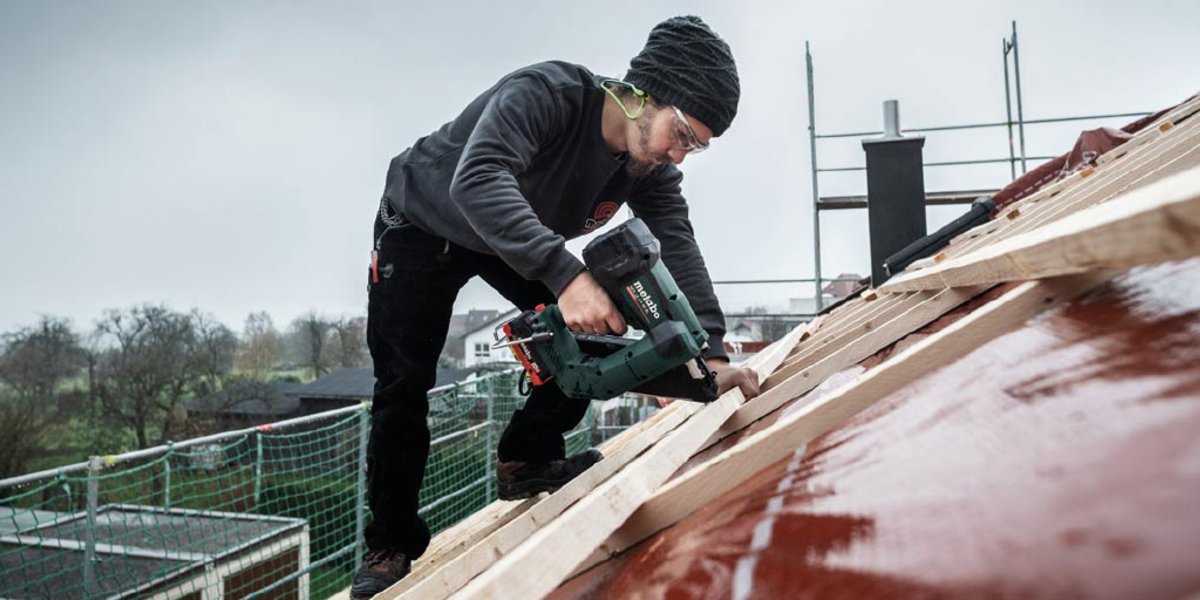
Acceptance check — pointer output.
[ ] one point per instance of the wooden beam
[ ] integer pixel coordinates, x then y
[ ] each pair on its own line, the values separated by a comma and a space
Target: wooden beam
1100, 187
839, 321
1034, 209
475, 528
1073, 193
452, 574
555, 549
456, 566
1149, 149
535, 567
875, 335
791, 385
699, 486
1153, 223
890, 305
478, 526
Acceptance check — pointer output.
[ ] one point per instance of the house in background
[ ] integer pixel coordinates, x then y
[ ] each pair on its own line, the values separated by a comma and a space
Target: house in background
477, 344
249, 404
843, 285
743, 330
336, 389
461, 325
840, 287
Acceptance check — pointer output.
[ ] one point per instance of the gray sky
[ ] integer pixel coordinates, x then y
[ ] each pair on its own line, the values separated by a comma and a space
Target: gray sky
229, 155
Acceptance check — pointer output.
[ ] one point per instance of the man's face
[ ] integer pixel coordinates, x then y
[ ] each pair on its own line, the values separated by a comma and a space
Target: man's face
661, 137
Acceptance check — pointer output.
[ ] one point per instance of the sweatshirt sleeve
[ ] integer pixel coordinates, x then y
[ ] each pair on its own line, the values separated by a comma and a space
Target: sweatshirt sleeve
523, 115
657, 200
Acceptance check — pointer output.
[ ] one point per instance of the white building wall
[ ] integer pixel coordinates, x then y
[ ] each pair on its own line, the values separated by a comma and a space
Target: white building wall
477, 349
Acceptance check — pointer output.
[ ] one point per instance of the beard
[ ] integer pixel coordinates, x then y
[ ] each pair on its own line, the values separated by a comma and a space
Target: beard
647, 162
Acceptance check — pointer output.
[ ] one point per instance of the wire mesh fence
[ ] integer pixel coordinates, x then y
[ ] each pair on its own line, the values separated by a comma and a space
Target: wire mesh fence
276, 511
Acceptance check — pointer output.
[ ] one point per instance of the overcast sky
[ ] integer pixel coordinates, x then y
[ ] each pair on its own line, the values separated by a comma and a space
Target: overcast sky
229, 156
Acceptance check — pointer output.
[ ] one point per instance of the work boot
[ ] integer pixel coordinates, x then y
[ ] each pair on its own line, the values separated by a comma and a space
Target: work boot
517, 480
380, 569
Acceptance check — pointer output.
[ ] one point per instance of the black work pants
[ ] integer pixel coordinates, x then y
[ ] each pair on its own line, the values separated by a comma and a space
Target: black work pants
408, 314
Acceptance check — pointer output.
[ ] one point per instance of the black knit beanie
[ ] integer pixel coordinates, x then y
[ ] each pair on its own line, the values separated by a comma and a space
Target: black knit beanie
687, 65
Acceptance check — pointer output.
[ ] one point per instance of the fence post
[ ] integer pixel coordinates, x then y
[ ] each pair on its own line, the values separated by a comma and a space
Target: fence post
598, 425
258, 467
488, 455
95, 463
167, 475
360, 510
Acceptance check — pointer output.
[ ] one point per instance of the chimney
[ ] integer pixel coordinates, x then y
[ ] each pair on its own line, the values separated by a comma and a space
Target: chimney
895, 191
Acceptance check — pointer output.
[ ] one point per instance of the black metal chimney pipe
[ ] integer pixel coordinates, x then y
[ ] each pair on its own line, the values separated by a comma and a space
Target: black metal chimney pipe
895, 191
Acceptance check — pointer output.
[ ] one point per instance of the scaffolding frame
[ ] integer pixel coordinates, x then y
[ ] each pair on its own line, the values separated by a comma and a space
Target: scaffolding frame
1016, 151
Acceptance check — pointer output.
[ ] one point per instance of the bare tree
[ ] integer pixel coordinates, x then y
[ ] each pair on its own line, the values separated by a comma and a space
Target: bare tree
351, 341
214, 352
152, 360
313, 335
34, 362
260, 346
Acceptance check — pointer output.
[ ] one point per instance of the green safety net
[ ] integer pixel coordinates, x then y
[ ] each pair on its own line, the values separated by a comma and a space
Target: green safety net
277, 512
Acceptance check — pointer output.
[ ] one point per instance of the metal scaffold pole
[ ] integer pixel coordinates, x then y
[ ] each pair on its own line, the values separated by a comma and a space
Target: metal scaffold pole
1016, 52
816, 198
1008, 120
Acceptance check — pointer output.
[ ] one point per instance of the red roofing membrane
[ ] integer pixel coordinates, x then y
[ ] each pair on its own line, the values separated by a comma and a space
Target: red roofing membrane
1061, 460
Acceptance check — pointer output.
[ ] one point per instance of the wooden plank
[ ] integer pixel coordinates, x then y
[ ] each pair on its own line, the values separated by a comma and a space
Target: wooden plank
454, 568
783, 386
1153, 223
452, 574
924, 307
1147, 148
1014, 215
1096, 189
838, 321
892, 305
699, 486
535, 567
830, 320
809, 327
478, 526
451, 542
768, 359
1102, 188
475, 528
556, 548
843, 321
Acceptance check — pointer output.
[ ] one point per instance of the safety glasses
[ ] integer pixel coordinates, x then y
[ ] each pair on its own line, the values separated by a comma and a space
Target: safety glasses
685, 136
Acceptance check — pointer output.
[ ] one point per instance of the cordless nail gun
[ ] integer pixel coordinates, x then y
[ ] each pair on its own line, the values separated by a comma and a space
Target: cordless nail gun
664, 362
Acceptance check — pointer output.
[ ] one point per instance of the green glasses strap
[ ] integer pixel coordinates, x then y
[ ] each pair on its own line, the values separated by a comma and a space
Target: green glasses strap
640, 93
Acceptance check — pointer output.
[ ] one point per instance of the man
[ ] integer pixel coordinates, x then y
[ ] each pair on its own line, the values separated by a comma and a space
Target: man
548, 153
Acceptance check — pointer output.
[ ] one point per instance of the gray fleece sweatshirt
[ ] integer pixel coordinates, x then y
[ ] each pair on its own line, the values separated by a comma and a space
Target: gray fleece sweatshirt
525, 167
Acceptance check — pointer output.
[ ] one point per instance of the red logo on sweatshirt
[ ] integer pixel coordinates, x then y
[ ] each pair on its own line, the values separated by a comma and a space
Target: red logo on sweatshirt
604, 212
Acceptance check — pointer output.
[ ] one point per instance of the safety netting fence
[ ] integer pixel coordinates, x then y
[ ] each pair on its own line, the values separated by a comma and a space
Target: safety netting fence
274, 511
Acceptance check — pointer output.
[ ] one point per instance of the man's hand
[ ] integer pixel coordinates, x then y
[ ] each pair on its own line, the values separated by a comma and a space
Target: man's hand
587, 309
745, 378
